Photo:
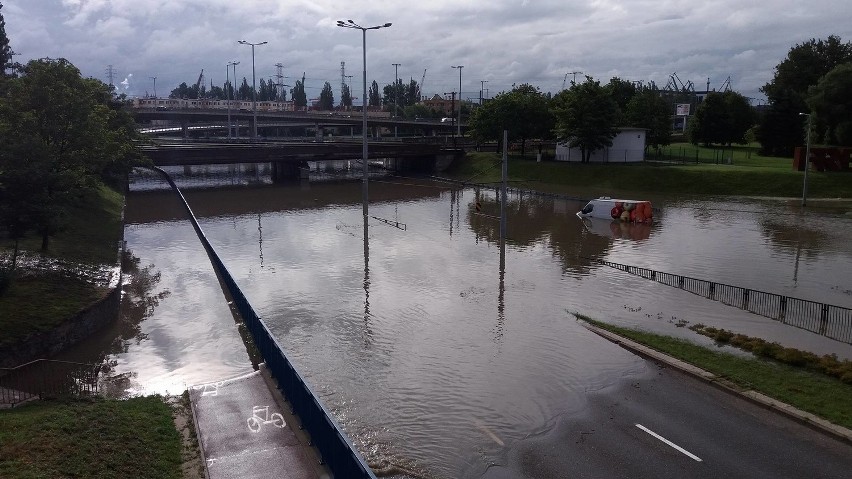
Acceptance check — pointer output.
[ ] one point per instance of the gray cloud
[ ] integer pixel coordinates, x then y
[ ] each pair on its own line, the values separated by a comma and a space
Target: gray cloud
501, 41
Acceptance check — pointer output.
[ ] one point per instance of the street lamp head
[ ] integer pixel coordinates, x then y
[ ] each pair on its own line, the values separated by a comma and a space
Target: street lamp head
387, 25
242, 42
804, 114
262, 43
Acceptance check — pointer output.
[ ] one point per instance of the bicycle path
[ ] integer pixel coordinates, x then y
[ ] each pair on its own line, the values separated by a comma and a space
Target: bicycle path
246, 431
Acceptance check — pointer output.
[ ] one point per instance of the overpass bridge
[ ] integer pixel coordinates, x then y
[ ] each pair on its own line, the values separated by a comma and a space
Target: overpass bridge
147, 117
287, 158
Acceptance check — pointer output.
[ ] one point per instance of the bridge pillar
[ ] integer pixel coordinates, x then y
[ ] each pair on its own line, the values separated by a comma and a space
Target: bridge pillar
284, 171
184, 128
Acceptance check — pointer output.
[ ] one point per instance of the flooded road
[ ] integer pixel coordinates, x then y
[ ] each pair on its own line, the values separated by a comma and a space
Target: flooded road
434, 347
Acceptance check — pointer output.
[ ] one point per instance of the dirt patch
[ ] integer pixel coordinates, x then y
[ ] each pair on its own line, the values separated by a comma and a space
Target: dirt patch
193, 466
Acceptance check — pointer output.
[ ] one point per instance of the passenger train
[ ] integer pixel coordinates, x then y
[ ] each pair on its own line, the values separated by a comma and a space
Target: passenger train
240, 105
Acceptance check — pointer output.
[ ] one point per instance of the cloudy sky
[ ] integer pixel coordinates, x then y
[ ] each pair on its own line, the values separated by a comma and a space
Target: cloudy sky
502, 42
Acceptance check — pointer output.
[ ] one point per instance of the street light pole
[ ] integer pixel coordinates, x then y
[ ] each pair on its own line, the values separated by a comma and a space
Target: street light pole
460, 100
395, 92
807, 158
230, 96
253, 86
355, 26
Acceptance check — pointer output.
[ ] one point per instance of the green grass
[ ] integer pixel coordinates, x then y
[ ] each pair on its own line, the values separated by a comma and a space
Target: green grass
90, 438
37, 302
34, 304
809, 391
654, 178
91, 234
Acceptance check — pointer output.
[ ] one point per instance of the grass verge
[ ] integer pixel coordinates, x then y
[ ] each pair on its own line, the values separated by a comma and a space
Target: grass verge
807, 390
90, 438
32, 303
756, 179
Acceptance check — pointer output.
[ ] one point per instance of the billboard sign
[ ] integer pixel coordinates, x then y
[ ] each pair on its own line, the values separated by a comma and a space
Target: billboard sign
682, 109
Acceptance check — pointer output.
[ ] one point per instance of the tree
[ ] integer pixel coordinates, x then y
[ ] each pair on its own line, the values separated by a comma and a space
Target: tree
621, 91
326, 98
831, 102
5, 50
300, 99
375, 99
394, 94
647, 109
523, 111
244, 93
586, 117
345, 97
60, 134
722, 118
782, 127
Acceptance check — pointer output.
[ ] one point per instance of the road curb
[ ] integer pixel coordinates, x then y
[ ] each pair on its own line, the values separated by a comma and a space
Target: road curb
810, 420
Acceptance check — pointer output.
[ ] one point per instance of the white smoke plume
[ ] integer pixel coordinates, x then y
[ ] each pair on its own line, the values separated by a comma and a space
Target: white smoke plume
126, 82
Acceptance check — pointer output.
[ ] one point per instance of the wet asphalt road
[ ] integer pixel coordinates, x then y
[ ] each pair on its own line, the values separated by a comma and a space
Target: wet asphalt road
713, 434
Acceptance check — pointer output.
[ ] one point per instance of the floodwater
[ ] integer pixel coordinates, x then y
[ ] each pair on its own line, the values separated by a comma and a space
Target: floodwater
435, 347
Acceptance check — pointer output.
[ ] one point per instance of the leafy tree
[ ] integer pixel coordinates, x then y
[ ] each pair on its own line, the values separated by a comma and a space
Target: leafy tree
60, 134
622, 91
264, 93
523, 111
373, 95
722, 118
326, 98
300, 99
586, 117
803, 67
5, 50
647, 109
831, 101
346, 97
245, 91
395, 94
412, 93
419, 110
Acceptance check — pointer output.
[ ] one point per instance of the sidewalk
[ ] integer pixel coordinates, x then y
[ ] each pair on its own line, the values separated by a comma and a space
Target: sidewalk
245, 430
804, 417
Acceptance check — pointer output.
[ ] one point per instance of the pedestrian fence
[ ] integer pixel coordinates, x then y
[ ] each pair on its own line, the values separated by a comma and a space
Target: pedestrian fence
47, 378
334, 446
831, 321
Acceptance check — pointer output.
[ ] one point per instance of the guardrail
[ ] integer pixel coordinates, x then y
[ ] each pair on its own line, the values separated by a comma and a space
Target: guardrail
333, 444
831, 321
47, 378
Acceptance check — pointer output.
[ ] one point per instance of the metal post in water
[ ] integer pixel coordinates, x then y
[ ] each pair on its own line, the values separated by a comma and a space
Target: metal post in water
503, 188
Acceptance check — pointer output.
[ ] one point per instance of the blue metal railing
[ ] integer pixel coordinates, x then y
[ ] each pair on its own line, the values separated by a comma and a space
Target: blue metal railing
834, 322
326, 435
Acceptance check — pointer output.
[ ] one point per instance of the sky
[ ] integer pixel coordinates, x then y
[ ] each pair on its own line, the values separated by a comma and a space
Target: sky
498, 42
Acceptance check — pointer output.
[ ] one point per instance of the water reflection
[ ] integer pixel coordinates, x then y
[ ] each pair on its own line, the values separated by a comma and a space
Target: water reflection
439, 345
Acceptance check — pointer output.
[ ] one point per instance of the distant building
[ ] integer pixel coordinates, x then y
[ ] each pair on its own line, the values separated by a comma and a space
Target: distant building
440, 104
628, 146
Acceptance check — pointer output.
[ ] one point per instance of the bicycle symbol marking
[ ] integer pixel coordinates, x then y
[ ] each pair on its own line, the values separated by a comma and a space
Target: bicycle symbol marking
260, 415
209, 389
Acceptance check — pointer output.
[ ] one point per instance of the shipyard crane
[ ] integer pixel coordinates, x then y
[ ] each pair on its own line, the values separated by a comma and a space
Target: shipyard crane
422, 79
198, 83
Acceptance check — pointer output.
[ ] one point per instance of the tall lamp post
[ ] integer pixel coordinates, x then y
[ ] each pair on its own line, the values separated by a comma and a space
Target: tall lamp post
155, 86
231, 92
460, 100
253, 87
353, 25
395, 93
807, 158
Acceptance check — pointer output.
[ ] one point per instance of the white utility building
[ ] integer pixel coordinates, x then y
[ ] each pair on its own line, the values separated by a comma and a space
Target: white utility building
628, 146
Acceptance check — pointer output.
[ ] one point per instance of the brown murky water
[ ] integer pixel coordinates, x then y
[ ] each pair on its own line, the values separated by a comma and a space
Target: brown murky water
431, 354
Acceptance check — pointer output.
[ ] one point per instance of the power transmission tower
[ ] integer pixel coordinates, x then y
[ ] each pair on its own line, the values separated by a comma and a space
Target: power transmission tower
110, 73
279, 77
342, 80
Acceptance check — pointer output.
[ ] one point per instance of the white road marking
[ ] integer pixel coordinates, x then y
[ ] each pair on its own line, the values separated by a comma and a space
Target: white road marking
669, 442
